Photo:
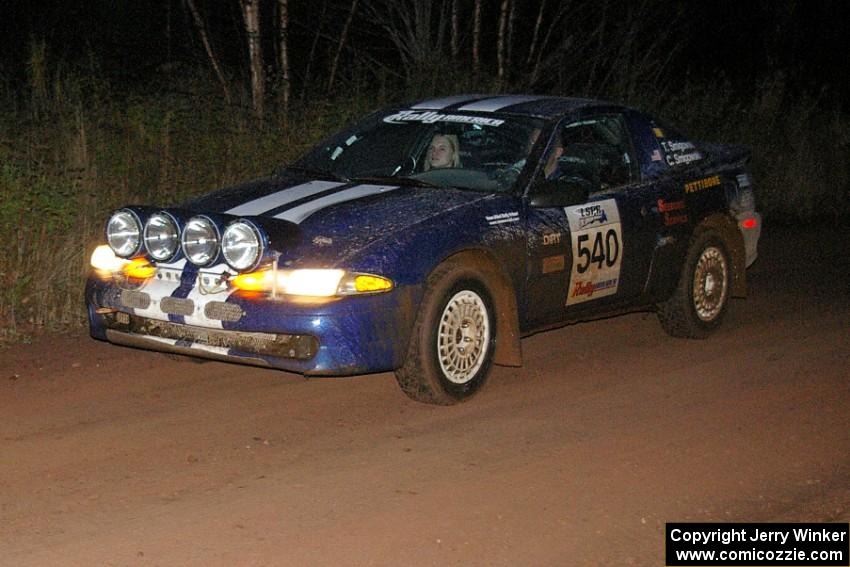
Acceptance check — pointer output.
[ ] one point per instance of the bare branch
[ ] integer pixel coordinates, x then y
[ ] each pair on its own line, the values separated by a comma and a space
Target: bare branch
202, 31
341, 43
313, 49
535, 34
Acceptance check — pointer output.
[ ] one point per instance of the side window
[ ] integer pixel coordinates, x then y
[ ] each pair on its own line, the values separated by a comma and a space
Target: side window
594, 149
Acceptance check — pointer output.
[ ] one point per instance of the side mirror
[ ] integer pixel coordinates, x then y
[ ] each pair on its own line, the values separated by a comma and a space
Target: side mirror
560, 193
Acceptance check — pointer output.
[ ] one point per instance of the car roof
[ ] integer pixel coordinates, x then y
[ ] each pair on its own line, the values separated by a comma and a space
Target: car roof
529, 105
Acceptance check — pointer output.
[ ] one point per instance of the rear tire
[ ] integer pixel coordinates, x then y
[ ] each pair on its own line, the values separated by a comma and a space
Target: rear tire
453, 339
699, 302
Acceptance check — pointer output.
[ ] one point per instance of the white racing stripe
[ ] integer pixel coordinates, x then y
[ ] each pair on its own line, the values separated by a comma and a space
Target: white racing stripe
201, 295
269, 202
301, 212
158, 288
441, 103
493, 104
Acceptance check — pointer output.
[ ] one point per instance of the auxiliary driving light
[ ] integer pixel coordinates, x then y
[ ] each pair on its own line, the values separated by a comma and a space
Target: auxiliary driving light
124, 233
200, 241
162, 237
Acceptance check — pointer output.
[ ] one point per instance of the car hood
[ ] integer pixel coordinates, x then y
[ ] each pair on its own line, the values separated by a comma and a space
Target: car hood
335, 220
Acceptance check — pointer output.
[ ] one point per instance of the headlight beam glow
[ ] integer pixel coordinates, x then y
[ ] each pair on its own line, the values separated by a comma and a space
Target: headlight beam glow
311, 282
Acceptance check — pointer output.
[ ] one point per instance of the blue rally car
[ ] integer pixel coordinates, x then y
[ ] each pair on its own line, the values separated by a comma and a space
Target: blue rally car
428, 239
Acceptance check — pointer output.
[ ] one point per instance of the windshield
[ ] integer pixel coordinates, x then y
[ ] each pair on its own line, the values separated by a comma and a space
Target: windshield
483, 152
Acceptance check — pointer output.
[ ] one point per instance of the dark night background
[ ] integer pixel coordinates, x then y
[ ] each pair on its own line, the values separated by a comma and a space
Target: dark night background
131, 40
110, 102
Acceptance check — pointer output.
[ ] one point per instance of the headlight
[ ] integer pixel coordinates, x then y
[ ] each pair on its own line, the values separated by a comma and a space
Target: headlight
124, 233
241, 246
319, 283
200, 241
312, 283
103, 258
162, 237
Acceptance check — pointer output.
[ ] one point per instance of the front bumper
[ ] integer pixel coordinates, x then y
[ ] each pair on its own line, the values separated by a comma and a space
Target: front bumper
340, 336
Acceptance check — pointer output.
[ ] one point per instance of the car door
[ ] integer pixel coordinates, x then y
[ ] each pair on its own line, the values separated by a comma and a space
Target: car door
592, 254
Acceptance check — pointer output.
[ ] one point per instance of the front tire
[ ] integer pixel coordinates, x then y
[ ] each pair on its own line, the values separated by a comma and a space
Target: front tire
699, 302
453, 339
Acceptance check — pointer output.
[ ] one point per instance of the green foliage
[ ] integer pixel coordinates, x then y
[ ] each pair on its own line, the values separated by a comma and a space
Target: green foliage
72, 149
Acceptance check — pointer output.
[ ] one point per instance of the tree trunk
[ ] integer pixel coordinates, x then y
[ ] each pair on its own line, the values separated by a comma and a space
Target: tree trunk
476, 38
168, 31
341, 43
202, 31
536, 34
251, 15
306, 81
501, 40
455, 30
509, 57
283, 42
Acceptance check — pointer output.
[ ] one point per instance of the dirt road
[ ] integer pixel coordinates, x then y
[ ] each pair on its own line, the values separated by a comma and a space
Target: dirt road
111, 456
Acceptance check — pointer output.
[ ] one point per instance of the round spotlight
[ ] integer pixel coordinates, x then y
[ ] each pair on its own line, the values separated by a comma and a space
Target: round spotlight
162, 237
124, 233
242, 246
200, 241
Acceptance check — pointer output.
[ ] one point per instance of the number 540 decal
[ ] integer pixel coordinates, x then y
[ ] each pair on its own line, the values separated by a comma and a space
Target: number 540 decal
597, 243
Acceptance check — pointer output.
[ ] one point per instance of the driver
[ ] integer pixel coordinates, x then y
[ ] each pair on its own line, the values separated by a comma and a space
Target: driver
442, 153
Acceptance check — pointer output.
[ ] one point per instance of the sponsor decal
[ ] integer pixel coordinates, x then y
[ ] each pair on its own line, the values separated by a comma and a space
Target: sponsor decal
671, 219
677, 153
502, 218
700, 184
551, 238
553, 264
322, 241
656, 155
430, 117
743, 180
591, 214
672, 212
597, 244
588, 288
659, 133
668, 206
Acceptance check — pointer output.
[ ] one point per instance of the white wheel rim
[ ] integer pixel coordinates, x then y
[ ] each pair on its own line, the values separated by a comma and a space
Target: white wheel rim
711, 276
463, 337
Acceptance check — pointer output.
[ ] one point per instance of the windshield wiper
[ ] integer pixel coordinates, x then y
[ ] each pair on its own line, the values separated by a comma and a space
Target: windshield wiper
313, 172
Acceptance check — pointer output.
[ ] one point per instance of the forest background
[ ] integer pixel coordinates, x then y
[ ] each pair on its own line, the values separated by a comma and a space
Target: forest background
111, 102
